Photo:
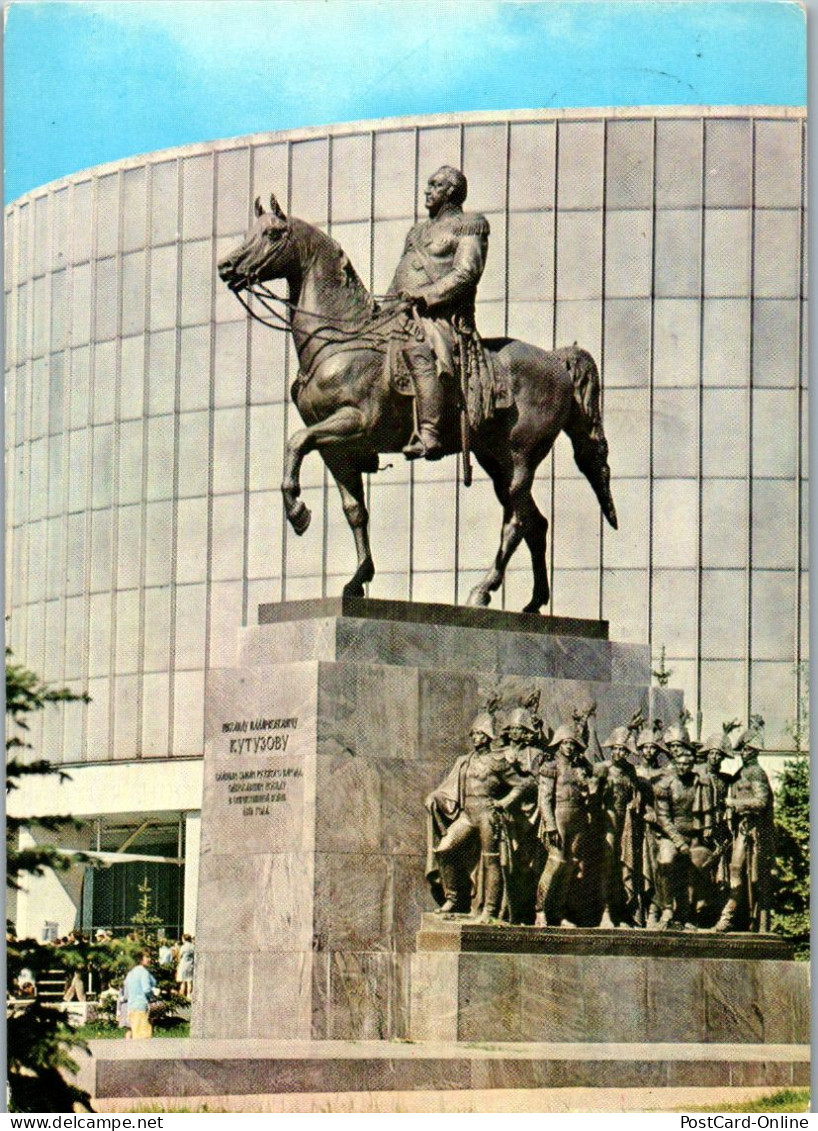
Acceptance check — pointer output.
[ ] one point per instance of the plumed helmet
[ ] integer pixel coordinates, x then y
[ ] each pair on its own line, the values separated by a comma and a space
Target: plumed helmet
564, 732
520, 717
747, 740
483, 724
678, 734
719, 742
619, 736
648, 738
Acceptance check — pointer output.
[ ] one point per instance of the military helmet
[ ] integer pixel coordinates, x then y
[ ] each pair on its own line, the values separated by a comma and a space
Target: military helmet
718, 742
648, 738
483, 724
520, 717
747, 740
565, 732
619, 736
678, 734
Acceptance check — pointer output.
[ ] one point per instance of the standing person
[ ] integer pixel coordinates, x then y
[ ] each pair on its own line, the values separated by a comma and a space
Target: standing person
467, 826
438, 273
139, 989
750, 815
566, 809
715, 748
653, 767
184, 971
685, 814
620, 798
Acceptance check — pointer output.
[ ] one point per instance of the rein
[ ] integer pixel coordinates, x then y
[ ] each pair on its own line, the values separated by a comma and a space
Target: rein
280, 322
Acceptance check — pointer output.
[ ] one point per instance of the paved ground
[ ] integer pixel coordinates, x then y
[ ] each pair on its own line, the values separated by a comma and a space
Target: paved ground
512, 1101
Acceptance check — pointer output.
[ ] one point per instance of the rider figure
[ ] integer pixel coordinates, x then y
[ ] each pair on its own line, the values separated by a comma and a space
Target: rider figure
438, 273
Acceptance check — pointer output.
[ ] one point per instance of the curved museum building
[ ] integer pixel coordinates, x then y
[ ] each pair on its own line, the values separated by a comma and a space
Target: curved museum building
146, 416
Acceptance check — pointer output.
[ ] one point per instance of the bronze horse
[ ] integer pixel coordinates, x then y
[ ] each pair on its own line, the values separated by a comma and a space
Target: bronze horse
352, 412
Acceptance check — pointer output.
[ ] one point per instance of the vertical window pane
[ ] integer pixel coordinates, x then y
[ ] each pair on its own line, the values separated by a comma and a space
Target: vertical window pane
726, 330
395, 174
133, 209
629, 175
484, 159
351, 177
107, 214
197, 196
309, 180
676, 341
157, 629
194, 366
133, 293
675, 433
160, 457
163, 288
581, 149
233, 184
724, 609
725, 523
228, 450
197, 275
162, 372
164, 192
101, 544
674, 612
728, 173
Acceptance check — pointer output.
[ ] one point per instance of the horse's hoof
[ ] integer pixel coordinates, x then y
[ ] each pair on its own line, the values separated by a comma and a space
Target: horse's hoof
351, 590
300, 517
478, 598
532, 607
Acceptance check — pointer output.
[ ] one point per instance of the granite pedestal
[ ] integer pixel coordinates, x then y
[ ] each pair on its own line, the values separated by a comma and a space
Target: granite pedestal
339, 717
475, 982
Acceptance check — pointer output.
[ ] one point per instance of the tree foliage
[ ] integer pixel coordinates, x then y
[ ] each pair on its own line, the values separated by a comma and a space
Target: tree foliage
791, 916
40, 1041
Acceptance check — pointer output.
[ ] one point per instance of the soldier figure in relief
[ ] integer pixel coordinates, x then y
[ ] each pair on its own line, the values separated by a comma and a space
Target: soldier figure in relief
619, 796
685, 814
467, 814
654, 759
566, 810
714, 749
750, 816
438, 273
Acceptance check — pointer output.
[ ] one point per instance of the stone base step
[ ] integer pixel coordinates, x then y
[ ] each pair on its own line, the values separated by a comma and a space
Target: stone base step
180, 1068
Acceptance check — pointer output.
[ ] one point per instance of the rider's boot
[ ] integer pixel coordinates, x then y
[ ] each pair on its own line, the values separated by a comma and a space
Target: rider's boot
425, 444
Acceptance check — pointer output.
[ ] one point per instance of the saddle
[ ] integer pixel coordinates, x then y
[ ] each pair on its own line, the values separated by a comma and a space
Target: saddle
483, 386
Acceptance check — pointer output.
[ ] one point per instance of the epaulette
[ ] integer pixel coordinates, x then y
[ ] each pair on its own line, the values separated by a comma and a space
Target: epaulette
472, 224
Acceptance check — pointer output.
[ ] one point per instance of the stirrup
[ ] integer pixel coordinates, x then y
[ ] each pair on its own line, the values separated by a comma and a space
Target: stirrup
423, 445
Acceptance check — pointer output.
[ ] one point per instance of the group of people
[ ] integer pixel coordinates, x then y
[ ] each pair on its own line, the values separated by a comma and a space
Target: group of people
527, 828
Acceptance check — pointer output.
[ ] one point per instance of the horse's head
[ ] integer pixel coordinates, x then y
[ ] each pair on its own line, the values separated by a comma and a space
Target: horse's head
265, 253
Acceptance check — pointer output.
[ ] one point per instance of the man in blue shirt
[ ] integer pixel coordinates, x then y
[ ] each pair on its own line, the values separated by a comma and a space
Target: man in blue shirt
139, 988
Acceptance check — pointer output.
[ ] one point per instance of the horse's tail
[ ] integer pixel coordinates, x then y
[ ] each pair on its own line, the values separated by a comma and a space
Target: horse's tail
585, 428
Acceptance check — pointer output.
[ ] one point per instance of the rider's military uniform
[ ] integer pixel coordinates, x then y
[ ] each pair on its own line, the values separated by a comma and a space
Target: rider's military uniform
442, 263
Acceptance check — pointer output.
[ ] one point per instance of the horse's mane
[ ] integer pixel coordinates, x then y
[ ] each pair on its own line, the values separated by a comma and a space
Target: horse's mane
335, 269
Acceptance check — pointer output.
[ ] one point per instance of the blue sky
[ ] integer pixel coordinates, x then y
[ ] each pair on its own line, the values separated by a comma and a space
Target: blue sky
89, 82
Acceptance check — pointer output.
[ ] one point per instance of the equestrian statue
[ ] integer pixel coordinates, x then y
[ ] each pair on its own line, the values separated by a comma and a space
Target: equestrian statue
410, 374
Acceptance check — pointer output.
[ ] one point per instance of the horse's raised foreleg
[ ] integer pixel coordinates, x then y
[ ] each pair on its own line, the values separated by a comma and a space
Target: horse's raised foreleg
343, 425
351, 486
